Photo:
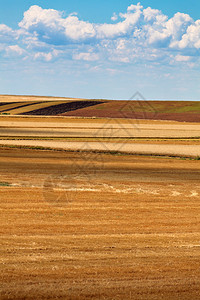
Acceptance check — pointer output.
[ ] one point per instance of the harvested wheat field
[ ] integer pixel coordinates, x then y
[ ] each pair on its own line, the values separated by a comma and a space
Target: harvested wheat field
98, 226
83, 216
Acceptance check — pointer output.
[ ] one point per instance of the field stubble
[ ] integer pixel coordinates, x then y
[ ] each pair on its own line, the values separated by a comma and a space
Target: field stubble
88, 227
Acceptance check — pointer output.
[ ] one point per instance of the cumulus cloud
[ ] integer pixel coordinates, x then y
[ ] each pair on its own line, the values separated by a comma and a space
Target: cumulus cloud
50, 27
122, 28
164, 32
152, 15
191, 39
138, 34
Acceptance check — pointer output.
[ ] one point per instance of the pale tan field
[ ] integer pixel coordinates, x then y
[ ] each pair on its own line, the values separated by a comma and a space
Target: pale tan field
102, 135
134, 148
94, 226
103, 128
20, 98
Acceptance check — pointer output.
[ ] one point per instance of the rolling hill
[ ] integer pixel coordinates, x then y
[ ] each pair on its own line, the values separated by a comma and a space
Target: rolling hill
188, 111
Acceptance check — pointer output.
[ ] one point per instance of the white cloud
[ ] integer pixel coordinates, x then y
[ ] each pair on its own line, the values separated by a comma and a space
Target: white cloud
133, 7
14, 50
139, 34
7, 35
178, 25
162, 32
152, 15
47, 56
182, 58
122, 28
50, 27
114, 17
78, 30
191, 39
36, 16
86, 56
43, 56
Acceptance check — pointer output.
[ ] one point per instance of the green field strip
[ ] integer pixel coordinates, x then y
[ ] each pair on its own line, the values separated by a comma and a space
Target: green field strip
32, 107
156, 107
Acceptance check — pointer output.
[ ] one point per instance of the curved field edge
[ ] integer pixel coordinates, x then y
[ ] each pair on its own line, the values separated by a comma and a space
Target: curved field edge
108, 152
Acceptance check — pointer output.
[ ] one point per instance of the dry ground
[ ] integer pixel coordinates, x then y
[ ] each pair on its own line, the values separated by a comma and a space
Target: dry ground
102, 134
88, 226
106, 128
99, 226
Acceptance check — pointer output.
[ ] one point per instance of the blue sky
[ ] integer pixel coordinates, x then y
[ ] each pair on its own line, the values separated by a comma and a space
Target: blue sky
100, 49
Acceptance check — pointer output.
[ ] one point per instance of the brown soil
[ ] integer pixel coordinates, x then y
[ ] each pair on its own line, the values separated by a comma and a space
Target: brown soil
180, 117
91, 226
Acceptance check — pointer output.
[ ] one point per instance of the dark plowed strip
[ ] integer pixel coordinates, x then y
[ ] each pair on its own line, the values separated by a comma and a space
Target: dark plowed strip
4, 103
61, 108
20, 105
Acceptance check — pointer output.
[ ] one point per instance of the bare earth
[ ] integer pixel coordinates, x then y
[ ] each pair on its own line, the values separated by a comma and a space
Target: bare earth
79, 226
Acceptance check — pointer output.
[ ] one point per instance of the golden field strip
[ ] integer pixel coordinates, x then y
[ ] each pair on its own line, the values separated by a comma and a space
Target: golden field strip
16, 109
80, 223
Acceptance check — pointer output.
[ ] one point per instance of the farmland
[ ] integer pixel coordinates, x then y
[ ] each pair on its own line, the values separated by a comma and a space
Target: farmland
185, 111
94, 207
127, 229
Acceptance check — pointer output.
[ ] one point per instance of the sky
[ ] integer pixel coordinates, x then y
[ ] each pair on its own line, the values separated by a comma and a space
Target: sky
100, 49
